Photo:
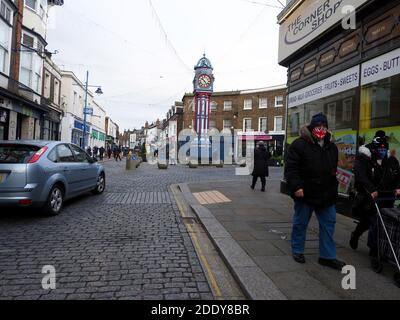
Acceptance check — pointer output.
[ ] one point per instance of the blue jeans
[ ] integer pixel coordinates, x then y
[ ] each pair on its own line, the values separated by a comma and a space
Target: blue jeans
327, 220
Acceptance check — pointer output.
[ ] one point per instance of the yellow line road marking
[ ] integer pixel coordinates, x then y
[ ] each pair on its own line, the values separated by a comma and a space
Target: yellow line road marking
213, 282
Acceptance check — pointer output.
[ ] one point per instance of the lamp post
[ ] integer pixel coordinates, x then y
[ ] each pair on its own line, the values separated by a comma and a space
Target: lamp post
85, 109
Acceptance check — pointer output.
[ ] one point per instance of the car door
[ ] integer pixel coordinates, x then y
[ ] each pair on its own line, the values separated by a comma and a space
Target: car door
69, 168
88, 168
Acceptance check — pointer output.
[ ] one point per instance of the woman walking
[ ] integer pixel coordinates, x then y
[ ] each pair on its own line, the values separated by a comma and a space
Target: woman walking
261, 170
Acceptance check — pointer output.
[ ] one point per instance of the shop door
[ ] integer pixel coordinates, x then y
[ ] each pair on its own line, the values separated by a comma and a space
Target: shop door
2, 132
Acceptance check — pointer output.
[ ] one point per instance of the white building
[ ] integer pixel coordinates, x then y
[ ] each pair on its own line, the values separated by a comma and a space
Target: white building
111, 131
98, 122
73, 101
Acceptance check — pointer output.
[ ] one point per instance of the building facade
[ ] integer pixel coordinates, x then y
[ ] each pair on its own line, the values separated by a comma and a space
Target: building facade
73, 100
112, 132
22, 55
352, 75
258, 114
51, 98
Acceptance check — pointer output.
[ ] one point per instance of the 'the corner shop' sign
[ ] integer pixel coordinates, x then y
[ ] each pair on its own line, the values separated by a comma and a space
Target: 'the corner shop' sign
308, 21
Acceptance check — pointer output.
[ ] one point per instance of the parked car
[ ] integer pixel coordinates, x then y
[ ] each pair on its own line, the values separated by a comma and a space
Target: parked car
45, 174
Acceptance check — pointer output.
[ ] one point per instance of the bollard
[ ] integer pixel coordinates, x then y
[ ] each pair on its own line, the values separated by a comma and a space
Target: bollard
128, 163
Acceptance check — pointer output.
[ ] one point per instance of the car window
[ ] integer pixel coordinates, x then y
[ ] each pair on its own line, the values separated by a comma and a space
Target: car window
81, 156
64, 153
16, 153
53, 155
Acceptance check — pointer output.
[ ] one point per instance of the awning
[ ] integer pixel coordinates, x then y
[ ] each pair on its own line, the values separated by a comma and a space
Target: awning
255, 138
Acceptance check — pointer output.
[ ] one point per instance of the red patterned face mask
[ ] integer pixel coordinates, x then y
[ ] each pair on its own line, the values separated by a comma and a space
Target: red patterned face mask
320, 132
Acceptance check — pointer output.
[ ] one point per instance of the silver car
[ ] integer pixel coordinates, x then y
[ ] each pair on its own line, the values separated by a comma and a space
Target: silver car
45, 174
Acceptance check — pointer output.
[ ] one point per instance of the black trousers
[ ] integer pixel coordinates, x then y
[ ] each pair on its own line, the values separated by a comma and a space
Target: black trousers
263, 181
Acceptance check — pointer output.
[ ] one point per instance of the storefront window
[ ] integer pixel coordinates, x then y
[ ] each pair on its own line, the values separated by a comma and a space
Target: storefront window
380, 110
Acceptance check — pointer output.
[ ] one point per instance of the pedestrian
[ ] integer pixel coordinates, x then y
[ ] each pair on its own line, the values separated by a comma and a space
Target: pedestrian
89, 151
95, 151
261, 170
310, 173
109, 152
101, 151
117, 153
376, 176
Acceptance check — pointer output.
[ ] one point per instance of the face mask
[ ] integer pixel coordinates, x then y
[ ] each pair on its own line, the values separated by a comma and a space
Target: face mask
382, 153
320, 132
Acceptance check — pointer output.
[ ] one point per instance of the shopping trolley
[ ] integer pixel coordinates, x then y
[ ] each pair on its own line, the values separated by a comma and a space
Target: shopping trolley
388, 234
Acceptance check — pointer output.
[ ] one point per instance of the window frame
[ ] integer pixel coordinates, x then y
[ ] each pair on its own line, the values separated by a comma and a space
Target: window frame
259, 124
244, 124
58, 154
230, 105
275, 122
276, 102
251, 104
260, 104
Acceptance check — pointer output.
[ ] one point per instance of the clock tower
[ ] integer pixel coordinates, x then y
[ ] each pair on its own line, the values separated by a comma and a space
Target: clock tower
203, 85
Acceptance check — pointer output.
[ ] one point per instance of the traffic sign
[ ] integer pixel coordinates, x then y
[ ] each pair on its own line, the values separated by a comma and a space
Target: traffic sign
88, 111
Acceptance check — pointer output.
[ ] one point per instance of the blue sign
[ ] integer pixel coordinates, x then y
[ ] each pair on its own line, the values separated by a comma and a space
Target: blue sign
88, 111
79, 125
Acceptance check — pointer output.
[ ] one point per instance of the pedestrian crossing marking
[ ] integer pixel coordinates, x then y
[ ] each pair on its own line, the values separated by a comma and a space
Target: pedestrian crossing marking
211, 197
138, 198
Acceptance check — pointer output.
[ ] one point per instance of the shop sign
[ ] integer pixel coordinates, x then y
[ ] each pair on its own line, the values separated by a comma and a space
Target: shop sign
340, 82
379, 30
349, 46
79, 125
309, 20
382, 67
327, 58
310, 67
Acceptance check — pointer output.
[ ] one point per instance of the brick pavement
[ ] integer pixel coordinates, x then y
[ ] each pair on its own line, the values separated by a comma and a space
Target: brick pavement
128, 243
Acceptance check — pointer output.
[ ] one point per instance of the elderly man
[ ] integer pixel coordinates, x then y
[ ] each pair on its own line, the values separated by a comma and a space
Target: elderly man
310, 172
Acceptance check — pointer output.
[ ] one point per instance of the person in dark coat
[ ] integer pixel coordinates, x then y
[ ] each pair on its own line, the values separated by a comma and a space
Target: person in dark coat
376, 176
310, 173
109, 151
101, 152
89, 151
261, 170
95, 151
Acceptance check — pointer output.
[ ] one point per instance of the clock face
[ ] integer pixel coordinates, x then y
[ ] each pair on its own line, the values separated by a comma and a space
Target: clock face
204, 81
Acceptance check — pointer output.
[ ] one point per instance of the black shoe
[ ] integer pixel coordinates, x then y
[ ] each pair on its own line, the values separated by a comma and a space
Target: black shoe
263, 190
299, 258
334, 264
353, 241
252, 188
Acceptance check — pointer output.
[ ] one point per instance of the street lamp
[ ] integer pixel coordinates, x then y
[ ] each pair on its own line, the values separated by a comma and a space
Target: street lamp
86, 109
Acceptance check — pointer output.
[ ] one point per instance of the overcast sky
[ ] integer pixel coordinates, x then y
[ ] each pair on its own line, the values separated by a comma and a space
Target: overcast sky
143, 52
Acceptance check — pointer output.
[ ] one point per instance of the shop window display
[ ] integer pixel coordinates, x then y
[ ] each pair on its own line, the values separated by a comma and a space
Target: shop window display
380, 110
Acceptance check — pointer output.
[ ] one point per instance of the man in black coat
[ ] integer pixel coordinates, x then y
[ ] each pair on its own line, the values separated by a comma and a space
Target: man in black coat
376, 176
310, 173
261, 170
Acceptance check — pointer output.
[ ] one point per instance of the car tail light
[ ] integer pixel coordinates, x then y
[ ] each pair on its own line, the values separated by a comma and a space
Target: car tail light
35, 158
25, 202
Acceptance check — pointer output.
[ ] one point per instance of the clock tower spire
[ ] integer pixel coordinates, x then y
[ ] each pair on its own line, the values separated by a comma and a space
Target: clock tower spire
203, 87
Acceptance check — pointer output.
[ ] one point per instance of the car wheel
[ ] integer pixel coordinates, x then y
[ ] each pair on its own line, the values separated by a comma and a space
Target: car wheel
101, 184
55, 201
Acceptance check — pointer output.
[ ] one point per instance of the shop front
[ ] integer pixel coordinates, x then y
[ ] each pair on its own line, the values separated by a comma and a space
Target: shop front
353, 76
77, 133
4, 116
97, 138
51, 126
